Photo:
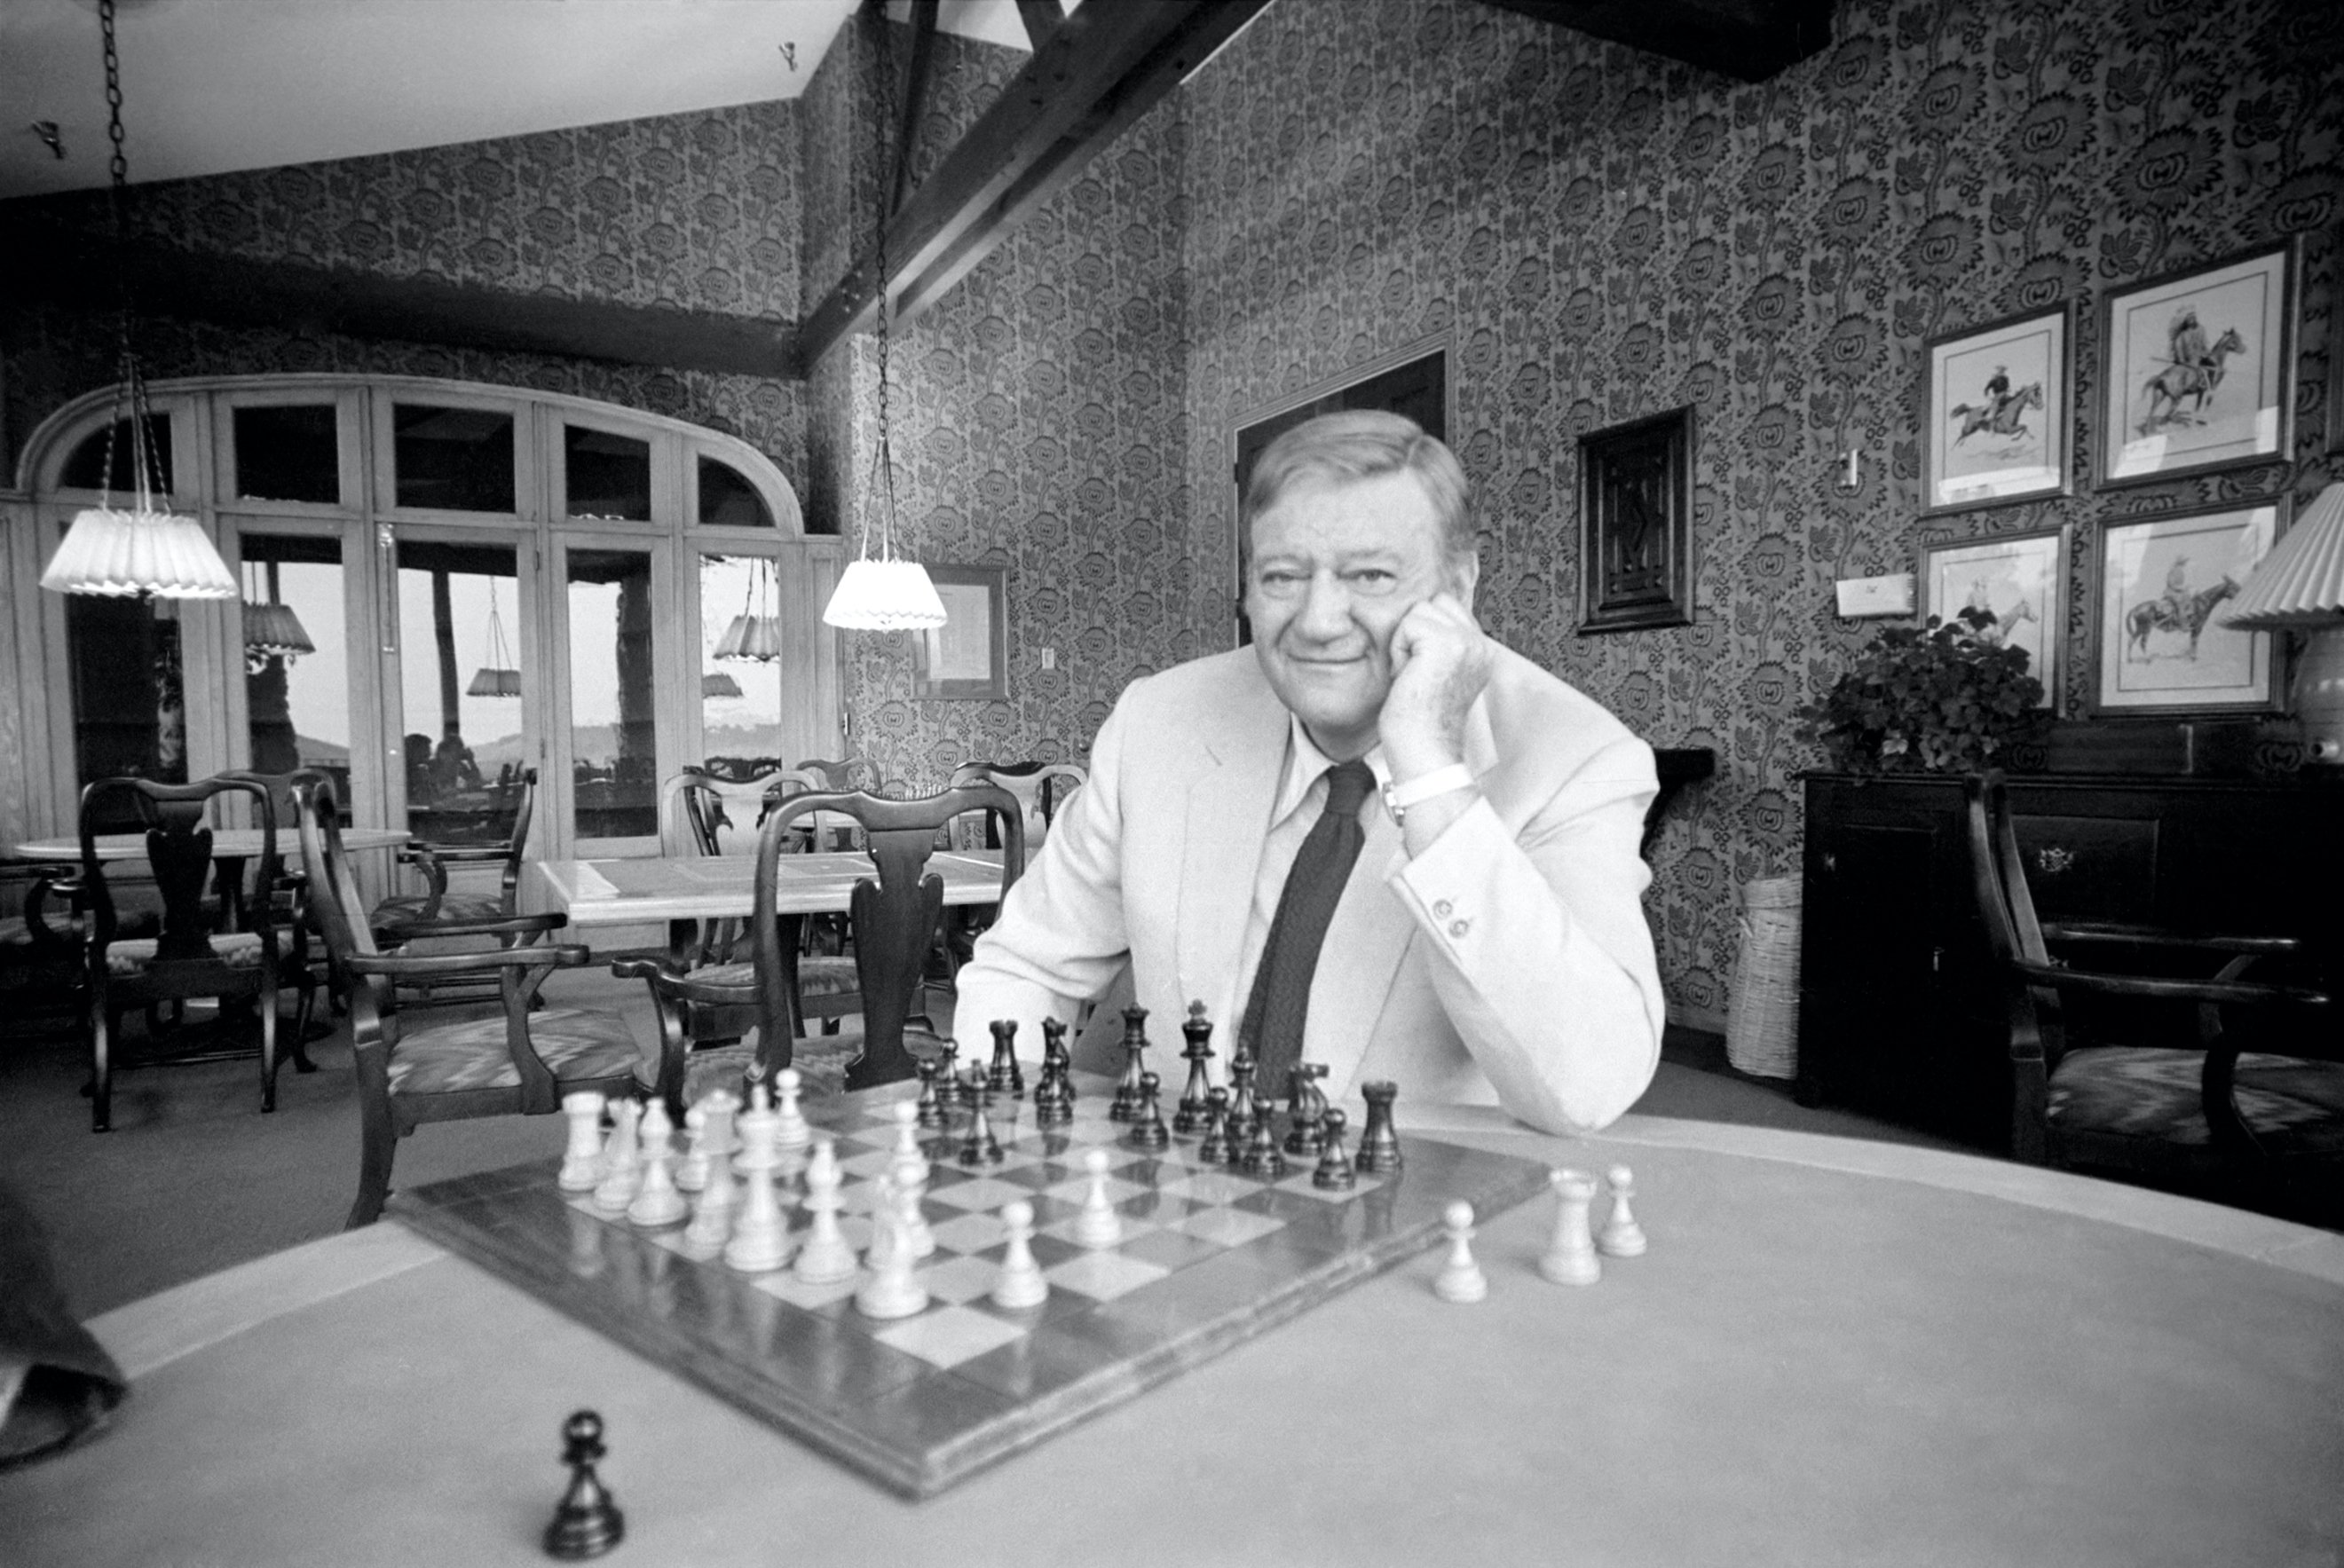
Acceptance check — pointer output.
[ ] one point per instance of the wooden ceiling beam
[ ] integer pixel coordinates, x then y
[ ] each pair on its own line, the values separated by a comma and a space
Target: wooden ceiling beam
1749, 40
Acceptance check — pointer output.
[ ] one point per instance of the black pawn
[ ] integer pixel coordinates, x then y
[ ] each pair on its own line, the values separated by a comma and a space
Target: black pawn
1379, 1145
1148, 1130
1261, 1157
1199, 1032
1006, 1077
587, 1522
1215, 1149
1053, 1051
1134, 1041
1307, 1105
1054, 1099
932, 1105
1242, 1106
1334, 1173
948, 1077
980, 1147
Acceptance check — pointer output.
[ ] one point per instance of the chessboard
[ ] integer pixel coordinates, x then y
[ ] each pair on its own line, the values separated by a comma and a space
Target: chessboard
1207, 1258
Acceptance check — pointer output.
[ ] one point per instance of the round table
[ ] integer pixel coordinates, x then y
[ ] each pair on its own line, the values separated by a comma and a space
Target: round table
1834, 1352
227, 844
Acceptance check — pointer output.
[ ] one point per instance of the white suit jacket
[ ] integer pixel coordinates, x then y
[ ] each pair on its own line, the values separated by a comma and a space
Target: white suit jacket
1509, 963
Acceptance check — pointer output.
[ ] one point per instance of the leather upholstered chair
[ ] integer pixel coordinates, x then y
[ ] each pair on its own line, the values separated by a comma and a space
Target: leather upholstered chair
519, 1061
2242, 1100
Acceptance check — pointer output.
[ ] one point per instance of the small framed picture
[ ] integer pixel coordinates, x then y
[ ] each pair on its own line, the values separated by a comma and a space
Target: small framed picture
2200, 369
968, 655
2159, 645
1996, 413
2020, 579
1635, 524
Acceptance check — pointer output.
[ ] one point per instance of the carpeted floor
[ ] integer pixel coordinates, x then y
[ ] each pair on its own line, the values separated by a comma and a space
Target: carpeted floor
193, 1179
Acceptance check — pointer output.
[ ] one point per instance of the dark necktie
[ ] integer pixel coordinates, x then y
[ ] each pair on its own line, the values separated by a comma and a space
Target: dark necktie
1281, 1004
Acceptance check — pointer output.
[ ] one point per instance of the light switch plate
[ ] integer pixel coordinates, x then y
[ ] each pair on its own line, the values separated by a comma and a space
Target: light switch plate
1860, 597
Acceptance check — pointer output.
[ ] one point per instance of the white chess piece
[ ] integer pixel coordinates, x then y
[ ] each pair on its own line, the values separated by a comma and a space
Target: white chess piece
1622, 1237
825, 1258
791, 1129
893, 1290
582, 1161
1098, 1225
691, 1170
1569, 1257
761, 1237
911, 1177
758, 1129
908, 1131
1460, 1278
1022, 1283
657, 1202
622, 1166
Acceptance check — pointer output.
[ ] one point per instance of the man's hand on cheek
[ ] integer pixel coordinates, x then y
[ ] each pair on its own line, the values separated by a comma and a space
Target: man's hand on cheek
1439, 662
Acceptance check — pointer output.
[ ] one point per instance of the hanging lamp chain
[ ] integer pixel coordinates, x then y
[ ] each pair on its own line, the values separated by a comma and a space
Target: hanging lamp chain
884, 459
129, 381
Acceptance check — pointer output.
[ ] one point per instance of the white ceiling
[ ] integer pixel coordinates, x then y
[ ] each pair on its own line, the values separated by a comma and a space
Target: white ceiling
212, 85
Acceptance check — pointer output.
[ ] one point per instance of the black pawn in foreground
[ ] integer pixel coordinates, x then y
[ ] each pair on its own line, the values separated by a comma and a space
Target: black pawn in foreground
980, 1147
1307, 1105
1135, 1040
1379, 1144
1199, 1032
1242, 1108
1147, 1129
1053, 1050
1006, 1077
1261, 1157
932, 1105
587, 1522
1215, 1149
1334, 1173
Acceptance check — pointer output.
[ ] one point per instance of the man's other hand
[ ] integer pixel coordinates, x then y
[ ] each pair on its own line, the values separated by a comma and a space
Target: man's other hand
1440, 660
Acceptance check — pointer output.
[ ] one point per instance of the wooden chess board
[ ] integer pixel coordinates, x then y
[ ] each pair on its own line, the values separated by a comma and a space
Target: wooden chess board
1208, 1259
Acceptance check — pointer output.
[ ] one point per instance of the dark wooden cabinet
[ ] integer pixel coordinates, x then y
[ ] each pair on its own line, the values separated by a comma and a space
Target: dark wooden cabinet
1898, 1014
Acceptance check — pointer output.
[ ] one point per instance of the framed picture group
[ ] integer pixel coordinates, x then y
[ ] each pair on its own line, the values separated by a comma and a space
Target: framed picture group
2195, 378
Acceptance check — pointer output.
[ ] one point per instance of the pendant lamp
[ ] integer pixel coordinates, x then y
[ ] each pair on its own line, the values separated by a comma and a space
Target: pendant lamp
886, 592
498, 678
719, 684
271, 629
755, 634
144, 551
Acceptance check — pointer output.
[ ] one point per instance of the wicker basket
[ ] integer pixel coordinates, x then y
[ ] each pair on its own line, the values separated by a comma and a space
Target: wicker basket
1762, 1021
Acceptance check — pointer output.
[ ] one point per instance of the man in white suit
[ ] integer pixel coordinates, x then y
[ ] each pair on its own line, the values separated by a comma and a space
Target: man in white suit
1488, 944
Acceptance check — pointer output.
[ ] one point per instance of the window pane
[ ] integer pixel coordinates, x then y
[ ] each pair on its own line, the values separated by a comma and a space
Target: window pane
741, 701
297, 704
615, 761
86, 469
461, 673
453, 459
289, 454
130, 715
609, 476
728, 500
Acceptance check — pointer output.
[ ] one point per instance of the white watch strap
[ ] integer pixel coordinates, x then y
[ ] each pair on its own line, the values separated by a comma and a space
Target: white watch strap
1425, 786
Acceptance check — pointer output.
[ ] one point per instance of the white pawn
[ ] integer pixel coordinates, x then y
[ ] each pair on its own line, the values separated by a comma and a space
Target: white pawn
1098, 1225
761, 1237
910, 1179
1022, 1283
908, 1131
1460, 1278
1622, 1237
622, 1170
893, 1290
582, 1162
825, 1258
719, 1201
1569, 1257
758, 1129
691, 1170
791, 1129
657, 1202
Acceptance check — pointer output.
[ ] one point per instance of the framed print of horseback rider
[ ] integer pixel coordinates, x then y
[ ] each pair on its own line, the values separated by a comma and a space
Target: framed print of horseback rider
2159, 645
2017, 583
2199, 367
1996, 413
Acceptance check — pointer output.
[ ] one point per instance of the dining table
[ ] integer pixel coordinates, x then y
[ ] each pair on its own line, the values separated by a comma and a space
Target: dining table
693, 887
1830, 1352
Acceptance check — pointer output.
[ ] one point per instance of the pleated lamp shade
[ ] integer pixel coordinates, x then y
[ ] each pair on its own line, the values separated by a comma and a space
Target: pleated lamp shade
489, 680
275, 630
719, 684
756, 639
888, 595
124, 554
2299, 587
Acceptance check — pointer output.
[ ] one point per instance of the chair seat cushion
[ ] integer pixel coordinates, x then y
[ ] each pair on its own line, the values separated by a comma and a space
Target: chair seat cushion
2153, 1094
454, 907
817, 976
574, 1043
238, 950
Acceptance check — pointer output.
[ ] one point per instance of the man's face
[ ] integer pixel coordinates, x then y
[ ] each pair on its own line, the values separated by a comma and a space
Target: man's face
1335, 567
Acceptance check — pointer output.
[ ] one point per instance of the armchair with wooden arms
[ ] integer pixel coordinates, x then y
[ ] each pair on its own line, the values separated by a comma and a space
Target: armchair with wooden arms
41, 971
407, 918
2251, 1109
520, 1060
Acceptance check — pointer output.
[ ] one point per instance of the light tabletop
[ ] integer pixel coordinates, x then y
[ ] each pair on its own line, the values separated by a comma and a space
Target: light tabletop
1834, 1352
626, 892
227, 844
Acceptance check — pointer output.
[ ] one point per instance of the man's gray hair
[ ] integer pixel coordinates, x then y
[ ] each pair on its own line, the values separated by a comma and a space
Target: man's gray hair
1364, 444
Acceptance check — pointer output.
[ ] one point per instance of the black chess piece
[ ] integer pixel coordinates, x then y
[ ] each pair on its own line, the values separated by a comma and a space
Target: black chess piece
1135, 1040
1334, 1173
932, 1105
980, 1146
587, 1522
948, 1077
1006, 1077
1215, 1149
1199, 1032
1379, 1145
1261, 1157
1306, 1106
1053, 1050
1243, 1109
1053, 1098
1147, 1129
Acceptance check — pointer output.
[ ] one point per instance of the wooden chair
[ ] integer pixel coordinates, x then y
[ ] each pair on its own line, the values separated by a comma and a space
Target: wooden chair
2249, 1105
307, 956
407, 918
230, 948
1041, 787
519, 1062
41, 976
894, 918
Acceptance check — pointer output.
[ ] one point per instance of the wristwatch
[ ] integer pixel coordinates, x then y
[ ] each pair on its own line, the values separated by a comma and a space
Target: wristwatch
1399, 797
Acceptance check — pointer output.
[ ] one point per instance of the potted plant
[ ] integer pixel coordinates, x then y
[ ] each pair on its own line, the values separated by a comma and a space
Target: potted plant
1942, 697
